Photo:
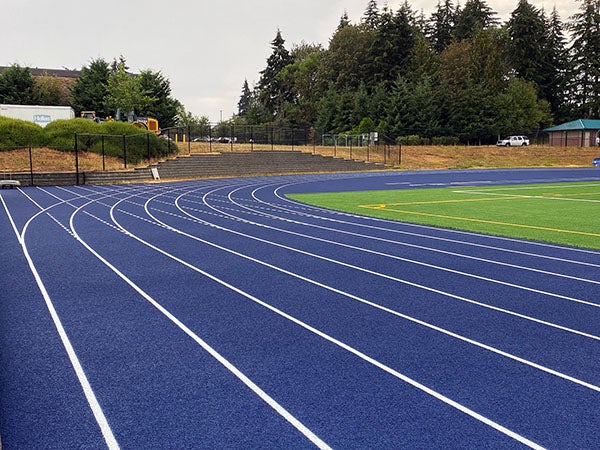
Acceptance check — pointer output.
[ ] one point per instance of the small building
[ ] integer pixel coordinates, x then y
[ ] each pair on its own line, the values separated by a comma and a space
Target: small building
578, 133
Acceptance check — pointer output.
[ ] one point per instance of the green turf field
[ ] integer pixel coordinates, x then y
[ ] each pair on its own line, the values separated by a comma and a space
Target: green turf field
562, 213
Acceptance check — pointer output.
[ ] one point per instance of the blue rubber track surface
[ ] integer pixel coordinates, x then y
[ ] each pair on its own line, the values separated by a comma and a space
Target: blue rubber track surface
221, 314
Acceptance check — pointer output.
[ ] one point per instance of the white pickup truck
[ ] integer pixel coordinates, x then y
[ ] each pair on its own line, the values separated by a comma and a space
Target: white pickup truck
513, 141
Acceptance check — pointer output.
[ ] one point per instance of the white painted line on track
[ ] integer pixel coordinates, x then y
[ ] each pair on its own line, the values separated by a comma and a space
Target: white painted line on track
540, 367
210, 350
420, 247
101, 420
331, 339
410, 283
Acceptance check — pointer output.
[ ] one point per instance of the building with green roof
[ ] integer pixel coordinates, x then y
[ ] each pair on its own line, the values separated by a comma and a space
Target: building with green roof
577, 133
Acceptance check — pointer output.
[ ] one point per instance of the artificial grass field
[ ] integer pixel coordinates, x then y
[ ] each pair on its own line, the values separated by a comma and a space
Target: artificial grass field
561, 213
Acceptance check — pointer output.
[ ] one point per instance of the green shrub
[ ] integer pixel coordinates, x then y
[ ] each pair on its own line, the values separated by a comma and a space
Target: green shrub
444, 140
20, 133
61, 133
413, 139
107, 137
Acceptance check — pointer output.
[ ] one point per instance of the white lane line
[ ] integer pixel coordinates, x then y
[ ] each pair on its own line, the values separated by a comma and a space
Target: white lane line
158, 222
222, 360
334, 341
406, 282
101, 420
420, 247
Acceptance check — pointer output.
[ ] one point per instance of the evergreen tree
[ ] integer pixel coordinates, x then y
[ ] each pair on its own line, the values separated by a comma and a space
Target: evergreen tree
17, 86
371, 16
344, 21
392, 46
585, 54
163, 107
90, 89
245, 99
476, 15
442, 25
271, 91
527, 32
556, 50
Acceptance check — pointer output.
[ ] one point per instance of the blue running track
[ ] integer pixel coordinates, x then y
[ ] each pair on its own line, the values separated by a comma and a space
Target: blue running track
220, 314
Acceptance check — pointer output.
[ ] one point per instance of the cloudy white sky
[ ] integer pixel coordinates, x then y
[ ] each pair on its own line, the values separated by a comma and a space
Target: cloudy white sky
205, 48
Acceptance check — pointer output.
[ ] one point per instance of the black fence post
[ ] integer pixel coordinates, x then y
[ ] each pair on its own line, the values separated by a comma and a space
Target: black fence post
30, 165
169, 141
103, 155
148, 145
76, 162
334, 145
189, 138
272, 137
124, 151
231, 132
399, 154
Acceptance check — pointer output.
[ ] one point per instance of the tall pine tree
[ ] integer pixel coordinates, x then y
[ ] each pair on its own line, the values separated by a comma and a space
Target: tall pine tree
371, 16
245, 99
475, 16
441, 25
585, 54
557, 68
272, 92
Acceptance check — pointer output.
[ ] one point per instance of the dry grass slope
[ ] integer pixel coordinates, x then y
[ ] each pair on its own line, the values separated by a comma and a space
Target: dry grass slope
413, 157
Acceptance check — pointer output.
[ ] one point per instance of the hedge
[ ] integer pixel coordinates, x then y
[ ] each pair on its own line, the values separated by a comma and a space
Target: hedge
60, 134
19, 133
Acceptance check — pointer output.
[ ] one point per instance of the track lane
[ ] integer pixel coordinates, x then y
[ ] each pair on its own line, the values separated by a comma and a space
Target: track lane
339, 317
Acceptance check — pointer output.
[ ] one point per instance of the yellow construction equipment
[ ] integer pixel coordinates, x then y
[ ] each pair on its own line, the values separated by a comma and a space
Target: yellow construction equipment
147, 123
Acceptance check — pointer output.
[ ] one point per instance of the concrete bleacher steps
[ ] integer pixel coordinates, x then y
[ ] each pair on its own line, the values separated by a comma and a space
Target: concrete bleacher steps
212, 165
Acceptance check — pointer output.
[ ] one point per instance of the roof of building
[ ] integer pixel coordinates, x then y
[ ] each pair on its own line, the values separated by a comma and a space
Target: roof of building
579, 124
61, 73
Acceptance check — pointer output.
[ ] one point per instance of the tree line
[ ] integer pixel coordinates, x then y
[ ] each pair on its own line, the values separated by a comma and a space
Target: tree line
102, 87
459, 73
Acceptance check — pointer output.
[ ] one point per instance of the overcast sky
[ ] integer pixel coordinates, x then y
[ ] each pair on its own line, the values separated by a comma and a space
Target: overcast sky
205, 48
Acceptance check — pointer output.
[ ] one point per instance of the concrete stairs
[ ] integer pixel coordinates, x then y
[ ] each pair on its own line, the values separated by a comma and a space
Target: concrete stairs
210, 165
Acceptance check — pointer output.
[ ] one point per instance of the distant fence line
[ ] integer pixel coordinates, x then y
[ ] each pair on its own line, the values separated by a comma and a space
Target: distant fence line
370, 147
100, 153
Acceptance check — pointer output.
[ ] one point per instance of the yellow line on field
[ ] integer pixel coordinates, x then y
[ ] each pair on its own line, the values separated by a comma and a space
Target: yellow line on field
489, 222
434, 202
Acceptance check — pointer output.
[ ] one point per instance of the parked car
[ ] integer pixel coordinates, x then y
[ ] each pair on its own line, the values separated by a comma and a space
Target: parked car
596, 162
513, 141
204, 139
226, 140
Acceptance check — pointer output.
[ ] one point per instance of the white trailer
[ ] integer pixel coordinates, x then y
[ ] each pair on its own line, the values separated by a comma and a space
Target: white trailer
42, 115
